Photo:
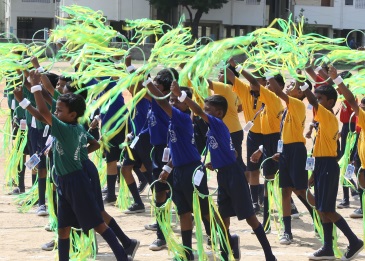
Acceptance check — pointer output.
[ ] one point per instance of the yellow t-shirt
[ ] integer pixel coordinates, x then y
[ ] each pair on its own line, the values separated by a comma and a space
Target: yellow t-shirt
271, 115
327, 135
231, 118
243, 91
361, 140
293, 125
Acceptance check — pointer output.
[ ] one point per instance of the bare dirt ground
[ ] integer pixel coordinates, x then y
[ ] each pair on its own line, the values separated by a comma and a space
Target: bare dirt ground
22, 235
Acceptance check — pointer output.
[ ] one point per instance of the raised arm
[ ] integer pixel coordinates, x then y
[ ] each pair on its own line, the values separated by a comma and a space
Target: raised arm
344, 90
255, 85
45, 81
175, 89
277, 89
163, 103
310, 96
37, 91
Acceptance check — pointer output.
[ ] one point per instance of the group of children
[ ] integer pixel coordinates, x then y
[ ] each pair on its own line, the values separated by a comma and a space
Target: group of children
168, 124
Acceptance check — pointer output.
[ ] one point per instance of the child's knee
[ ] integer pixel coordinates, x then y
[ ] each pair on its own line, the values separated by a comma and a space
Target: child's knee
64, 233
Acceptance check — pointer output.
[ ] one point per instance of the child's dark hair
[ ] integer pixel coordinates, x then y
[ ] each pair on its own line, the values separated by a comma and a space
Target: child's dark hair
279, 78
363, 100
219, 102
53, 78
187, 90
328, 91
74, 102
165, 77
64, 78
82, 91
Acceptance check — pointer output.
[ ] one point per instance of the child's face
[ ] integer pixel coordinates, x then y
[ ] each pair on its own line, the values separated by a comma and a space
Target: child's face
60, 86
177, 104
293, 91
322, 99
211, 110
159, 86
63, 113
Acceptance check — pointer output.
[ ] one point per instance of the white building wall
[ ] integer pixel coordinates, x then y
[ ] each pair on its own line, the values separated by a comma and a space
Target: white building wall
340, 16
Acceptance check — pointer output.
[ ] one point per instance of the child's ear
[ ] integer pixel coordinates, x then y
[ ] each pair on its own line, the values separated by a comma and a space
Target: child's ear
73, 115
220, 114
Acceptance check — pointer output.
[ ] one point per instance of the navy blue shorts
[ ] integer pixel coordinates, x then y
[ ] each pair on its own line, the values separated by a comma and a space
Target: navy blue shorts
270, 142
93, 174
182, 194
115, 152
141, 153
234, 197
254, 140
76, 202
41, 145
157, 165
32, 140
326, 177
292, 173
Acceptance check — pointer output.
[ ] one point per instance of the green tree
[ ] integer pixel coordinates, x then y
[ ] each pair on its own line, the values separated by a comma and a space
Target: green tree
201, 7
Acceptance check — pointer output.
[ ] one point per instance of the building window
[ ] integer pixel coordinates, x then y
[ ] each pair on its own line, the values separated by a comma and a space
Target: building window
360, 4
253, 2
349, 2
37, 1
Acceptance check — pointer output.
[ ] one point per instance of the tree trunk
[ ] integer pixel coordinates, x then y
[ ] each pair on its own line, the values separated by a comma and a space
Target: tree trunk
195, 24
190, 15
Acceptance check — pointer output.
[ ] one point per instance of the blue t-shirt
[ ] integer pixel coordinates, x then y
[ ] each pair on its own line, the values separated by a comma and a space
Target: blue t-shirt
220, 145
113, 105
181, 139
140, 117
158, 123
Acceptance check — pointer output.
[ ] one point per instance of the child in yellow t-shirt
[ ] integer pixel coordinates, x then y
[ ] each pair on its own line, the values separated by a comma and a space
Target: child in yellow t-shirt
325, 176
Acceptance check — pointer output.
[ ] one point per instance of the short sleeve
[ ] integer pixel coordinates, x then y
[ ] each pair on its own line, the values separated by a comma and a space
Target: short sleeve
180, 118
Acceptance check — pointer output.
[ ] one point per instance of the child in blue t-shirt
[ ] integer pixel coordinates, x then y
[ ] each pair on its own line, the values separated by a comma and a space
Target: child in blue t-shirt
234, 197
185, 159
73, 209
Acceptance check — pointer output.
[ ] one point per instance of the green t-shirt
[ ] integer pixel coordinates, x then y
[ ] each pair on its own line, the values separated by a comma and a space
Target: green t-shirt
27, 94
66, 149
83, 151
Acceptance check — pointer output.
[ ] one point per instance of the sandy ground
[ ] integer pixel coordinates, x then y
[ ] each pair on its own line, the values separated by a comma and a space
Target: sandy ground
22, 235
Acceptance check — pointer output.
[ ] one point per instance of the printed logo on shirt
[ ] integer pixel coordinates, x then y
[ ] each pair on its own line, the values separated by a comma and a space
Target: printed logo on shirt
151, 119
213, 143
59, 148
231, 144
77, 151
173, 138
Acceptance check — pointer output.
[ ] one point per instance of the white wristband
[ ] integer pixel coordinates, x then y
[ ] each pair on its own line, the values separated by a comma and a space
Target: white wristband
304, 87
183, 96
131, 68
239, 68
130, 136
35, 88
338, 80
40, 69
268, 76
167, 169
24, 103
318, 69
146, 82
28, 79
97, 117
261, 148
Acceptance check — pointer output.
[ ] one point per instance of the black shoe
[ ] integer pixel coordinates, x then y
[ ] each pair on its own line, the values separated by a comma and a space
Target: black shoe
322, 254
142, 185
135, 208
107, 201
357, 213
353, 251
235, 244
344, 203
17, 191
152, 227
132, 249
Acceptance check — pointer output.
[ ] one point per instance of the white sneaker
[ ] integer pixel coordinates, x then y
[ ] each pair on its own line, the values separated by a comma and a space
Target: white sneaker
286, 239
42, 211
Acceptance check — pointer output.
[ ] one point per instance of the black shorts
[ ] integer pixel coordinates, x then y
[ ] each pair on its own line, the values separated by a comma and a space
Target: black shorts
115, 151
141, 153
234, 197
183, 189
326, 177
270, 143
254, 140
76, 202
93, 174
292, 173
157, 165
